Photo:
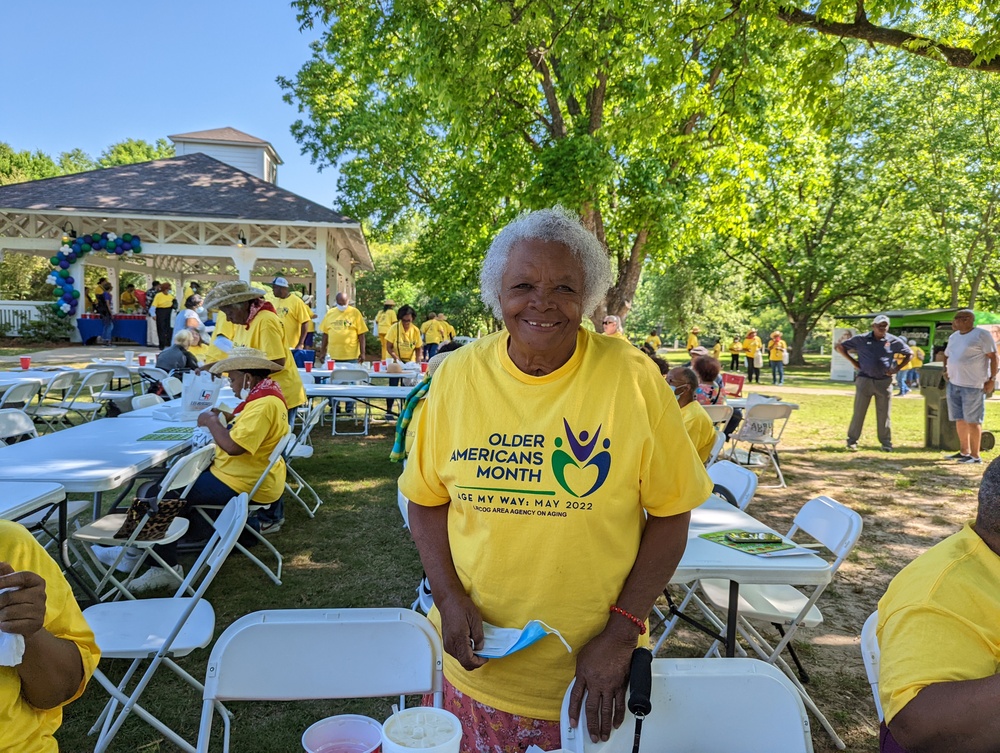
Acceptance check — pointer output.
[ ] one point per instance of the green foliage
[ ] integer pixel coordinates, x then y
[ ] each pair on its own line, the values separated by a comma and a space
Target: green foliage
46, 328
17, 167
22, 277
131, 151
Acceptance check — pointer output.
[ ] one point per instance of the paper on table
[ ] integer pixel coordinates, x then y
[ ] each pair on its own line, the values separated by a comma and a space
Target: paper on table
499, 642
11, 645
786, 552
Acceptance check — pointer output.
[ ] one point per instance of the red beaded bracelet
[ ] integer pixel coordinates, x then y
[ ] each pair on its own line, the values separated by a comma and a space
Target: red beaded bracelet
631, 617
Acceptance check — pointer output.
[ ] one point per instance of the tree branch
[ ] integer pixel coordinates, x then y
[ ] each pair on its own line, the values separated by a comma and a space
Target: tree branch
537, 57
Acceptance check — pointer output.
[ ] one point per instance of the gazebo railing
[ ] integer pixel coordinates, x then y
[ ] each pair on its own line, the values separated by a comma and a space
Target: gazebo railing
14, 314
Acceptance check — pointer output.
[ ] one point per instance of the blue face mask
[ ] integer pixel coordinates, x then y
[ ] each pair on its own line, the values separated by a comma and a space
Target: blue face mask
672, 388
498, 642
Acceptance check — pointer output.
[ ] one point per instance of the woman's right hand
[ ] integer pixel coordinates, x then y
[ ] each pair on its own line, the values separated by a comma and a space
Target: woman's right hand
461, 630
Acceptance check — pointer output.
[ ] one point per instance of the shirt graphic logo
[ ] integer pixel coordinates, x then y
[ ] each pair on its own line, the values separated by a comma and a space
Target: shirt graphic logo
582, 449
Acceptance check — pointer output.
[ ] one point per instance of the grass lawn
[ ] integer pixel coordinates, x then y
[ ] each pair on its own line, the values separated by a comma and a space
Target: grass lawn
356, 554
18, 351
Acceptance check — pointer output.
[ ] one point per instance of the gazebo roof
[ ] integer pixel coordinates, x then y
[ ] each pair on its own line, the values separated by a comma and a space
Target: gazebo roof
193, 185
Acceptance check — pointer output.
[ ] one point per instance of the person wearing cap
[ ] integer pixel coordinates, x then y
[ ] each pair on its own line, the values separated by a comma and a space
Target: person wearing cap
776, 350
449, 331
692, 340
294, 314
876, 365
751, 345
432, 333
970, 366
343, 330
243, 441
383, 320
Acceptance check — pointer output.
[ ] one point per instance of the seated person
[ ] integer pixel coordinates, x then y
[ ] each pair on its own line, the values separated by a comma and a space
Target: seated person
177, 358
684, 382
709, 390
243, 443
939, 636
203, 351
60, 652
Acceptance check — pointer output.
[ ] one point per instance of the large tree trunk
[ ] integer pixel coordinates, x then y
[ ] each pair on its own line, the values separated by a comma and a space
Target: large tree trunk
618, 301
800, 331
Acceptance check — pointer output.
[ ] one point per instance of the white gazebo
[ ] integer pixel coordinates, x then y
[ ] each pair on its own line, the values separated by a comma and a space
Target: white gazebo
198, 218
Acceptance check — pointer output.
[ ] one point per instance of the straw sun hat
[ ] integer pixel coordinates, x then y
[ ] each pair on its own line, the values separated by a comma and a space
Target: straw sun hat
244, 359
230, 292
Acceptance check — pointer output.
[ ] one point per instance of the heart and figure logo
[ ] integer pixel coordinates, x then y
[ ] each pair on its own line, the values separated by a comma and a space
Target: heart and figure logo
583, 469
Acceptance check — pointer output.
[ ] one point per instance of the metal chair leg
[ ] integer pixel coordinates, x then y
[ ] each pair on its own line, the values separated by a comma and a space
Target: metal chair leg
803, 675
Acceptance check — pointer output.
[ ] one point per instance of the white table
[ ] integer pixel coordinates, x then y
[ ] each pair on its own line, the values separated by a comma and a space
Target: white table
707, 559
372, 374
741, 402
360, 392
21, 498
19, 376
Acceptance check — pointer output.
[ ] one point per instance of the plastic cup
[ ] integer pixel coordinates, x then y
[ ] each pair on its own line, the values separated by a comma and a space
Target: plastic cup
346, 733
423, 367
129, 355
309, 366
25, 362
428, 730
331, 364
142, 359
377, 365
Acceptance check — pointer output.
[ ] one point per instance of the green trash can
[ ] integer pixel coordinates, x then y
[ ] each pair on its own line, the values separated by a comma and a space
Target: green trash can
939, 431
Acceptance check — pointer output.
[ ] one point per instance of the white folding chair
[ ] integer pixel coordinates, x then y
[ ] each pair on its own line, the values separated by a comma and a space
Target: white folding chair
320, 654
15, 426
717, 445
787, 608
350, 375
300, 447
871, 655
101, 532
720, 414
20, 395
273, 458
49, 408
144, 401
123, 375
707, 706
762, 427
172, 387
158, 630
151, 376
85, 402
735, 481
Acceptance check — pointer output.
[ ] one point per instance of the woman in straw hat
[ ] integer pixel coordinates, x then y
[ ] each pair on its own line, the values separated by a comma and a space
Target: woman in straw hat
243, 442
776, 350
752, 344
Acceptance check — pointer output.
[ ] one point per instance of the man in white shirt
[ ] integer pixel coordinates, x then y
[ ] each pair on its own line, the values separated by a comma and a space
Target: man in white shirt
970, 366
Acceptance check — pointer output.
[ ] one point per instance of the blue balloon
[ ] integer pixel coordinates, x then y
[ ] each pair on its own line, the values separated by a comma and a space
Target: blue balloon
103, 243
126, 246
64, 264
104, 236
67, 297
119, 251
71, 256
135, 241
69, 280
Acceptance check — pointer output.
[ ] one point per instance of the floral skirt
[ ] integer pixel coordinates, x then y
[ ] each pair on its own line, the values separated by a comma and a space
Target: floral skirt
487, 730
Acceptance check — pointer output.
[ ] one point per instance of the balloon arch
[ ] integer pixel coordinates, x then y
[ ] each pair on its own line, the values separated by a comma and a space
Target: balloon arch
67, 297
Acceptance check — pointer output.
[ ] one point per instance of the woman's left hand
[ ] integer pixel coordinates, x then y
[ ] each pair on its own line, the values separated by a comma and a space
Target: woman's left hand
602, 672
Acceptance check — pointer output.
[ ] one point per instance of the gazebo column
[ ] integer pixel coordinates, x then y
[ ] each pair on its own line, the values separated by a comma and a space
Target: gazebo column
76, 272
321, 270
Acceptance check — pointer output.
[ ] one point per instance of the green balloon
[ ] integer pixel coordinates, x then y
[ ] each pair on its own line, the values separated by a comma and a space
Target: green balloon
76, 293
60, 313
126, 237
55, 261
57, 293
64, 273
85, 247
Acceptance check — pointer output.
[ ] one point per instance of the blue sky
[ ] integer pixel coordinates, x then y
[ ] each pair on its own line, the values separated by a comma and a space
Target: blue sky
88, 73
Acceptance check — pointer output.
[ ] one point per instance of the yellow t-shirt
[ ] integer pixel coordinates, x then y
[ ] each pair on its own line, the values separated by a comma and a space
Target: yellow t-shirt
293, 314
776, 349
692, 341
699, 429
266, 334
223, 328
23, 727
257, 430
404, 341
655, 341
385, 319
449, 331
620, 335
547, 489
915, 362
716, 351
432, 331
751, 345
128, 300
939, 620
188, 292
207, 353
736, 347
163, 300
342, 328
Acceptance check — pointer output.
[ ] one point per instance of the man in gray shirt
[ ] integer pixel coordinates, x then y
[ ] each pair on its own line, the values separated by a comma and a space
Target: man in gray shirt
876, 364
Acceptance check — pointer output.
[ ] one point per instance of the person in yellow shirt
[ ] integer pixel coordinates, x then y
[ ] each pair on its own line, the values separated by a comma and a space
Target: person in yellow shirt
129, 303
717, 350
735, 351
404, 344
752, 344
343, 330
294, 314
223, 334
432, 333
776, 350
448, 332
692, 339
60, 653
598, 490
383, 320
654, 340
164, 304
203, 351
613, 327
911, 370
683, 382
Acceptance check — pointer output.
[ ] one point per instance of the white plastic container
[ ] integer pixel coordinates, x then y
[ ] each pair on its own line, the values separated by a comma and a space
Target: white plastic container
427, 730
345, 733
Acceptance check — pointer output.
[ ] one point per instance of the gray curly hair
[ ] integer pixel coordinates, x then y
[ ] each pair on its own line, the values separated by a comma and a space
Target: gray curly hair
556, 225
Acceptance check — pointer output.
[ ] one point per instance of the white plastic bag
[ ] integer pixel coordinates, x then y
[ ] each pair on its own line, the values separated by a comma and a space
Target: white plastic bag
758, 359
200, 393
784, 357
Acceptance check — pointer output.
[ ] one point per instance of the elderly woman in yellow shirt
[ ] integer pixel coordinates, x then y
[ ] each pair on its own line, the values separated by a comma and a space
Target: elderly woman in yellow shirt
404, 344
752, 344
613, 327
683, 382
776, 350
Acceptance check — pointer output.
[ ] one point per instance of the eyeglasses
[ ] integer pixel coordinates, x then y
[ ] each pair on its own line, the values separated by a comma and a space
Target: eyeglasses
610, 321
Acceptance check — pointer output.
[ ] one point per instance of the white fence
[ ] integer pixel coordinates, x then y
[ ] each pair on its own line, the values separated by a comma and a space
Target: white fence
13, 314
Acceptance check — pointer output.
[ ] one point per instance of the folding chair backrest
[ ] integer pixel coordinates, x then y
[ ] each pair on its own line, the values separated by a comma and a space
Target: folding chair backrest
720, 440
152, 373
64, 382
763, 711
325, 653
273, 458
187, 469
871, 655
96, 382
741, 482
309, 422
732, 384
15, 423
172, 386
144, 401
228, 526
348, 376
764, 421
307, 378
20, 394
832, 524
719, 413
